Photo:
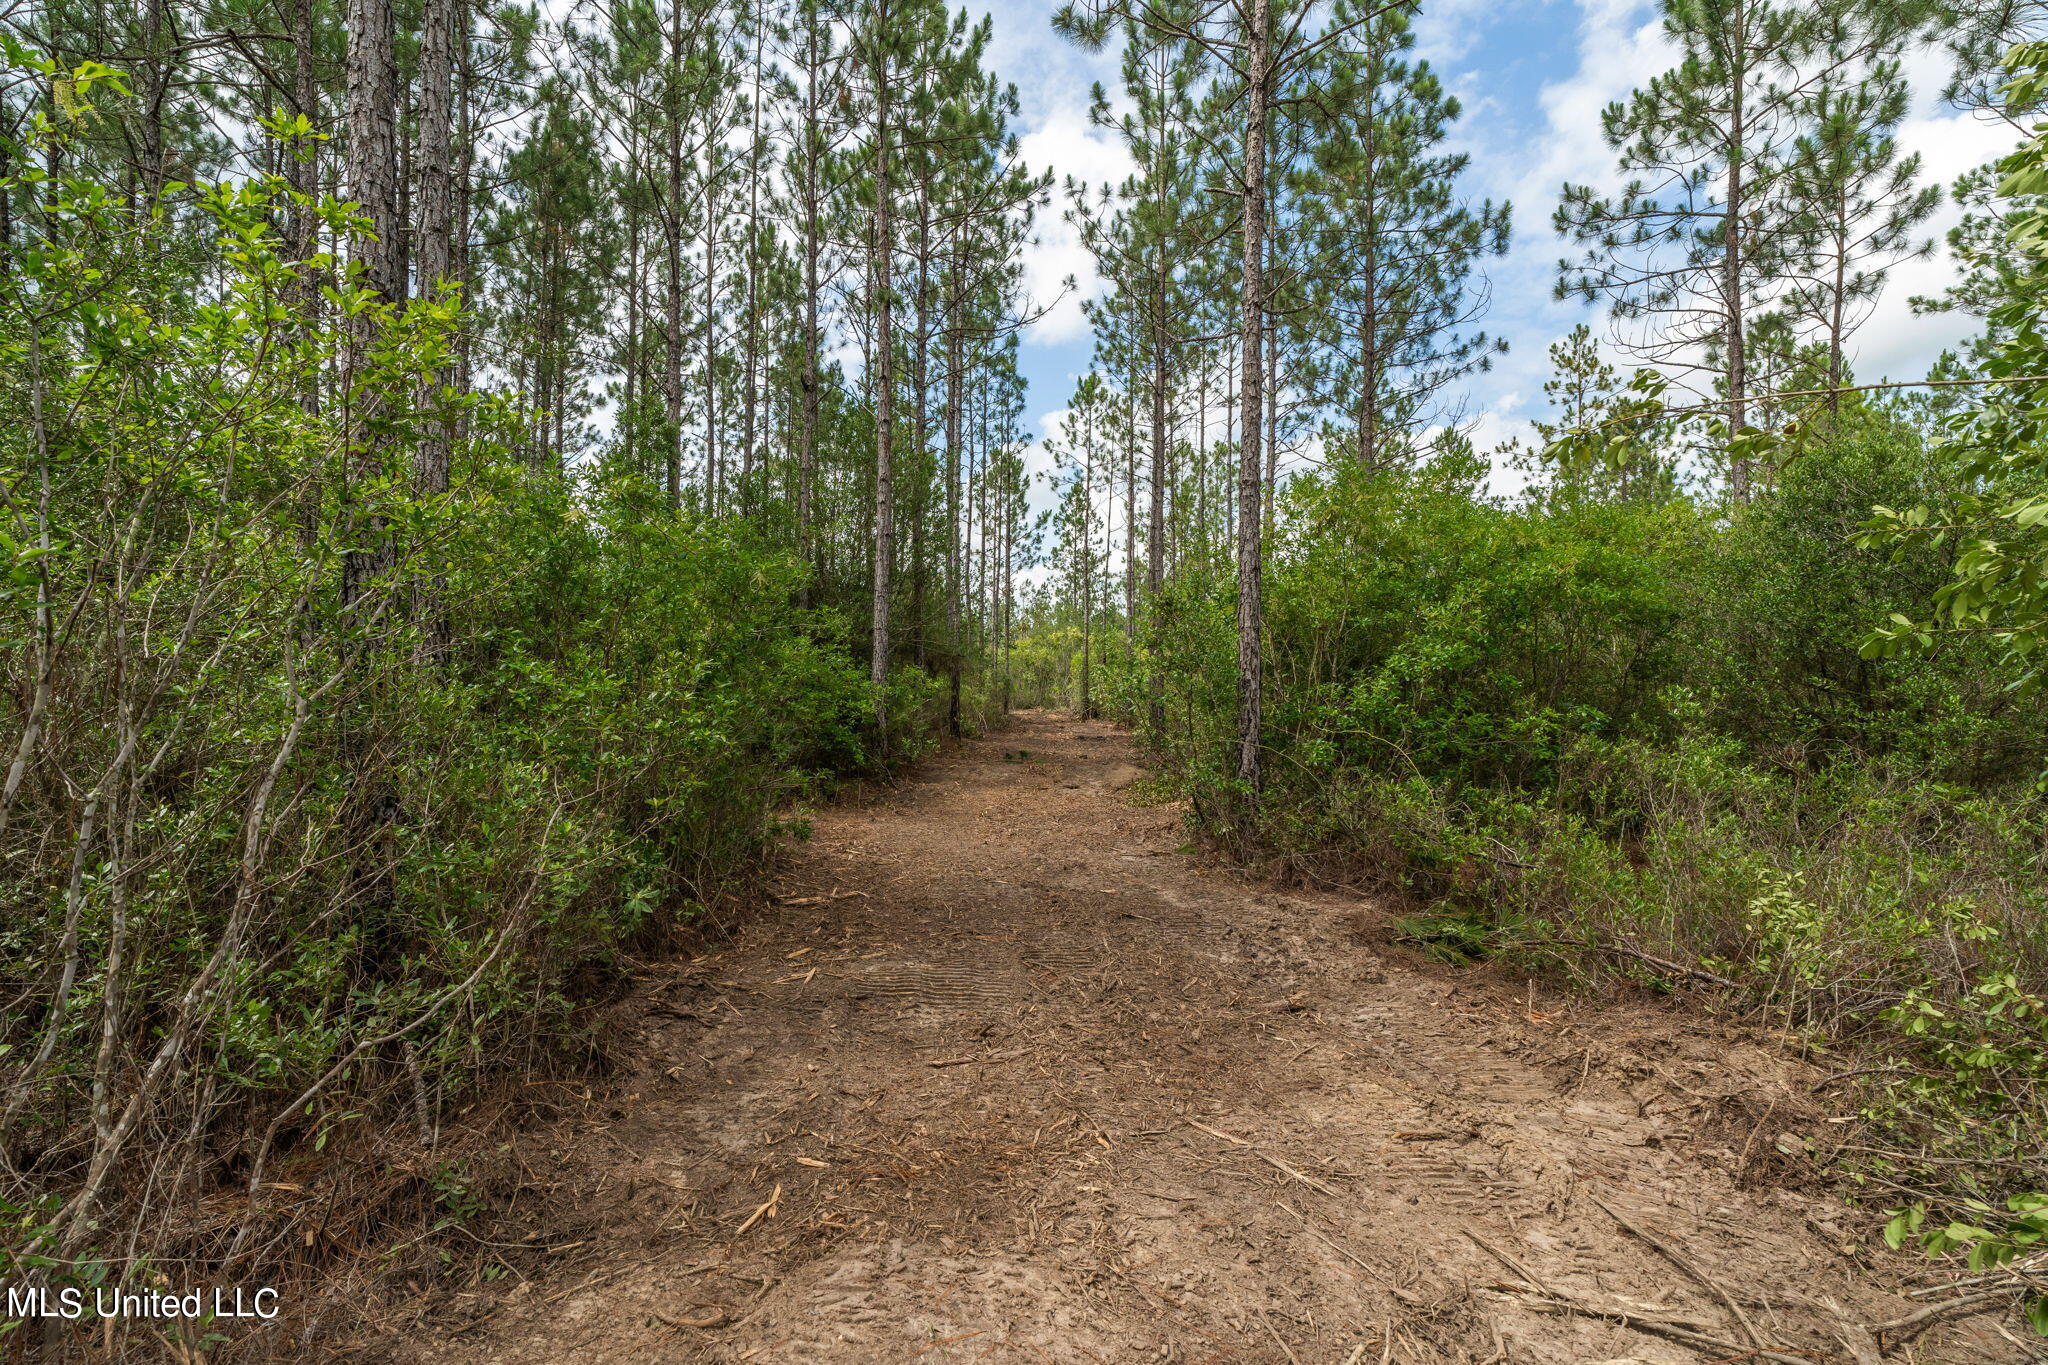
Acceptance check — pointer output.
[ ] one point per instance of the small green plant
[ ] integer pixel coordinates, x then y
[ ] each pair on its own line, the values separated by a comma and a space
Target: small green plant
1997, 1237
27, 1235
457, 1195
1996, 1033
1788, 930
1453, 937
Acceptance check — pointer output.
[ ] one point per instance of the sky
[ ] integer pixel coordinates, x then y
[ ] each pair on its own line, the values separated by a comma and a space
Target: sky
1533, 77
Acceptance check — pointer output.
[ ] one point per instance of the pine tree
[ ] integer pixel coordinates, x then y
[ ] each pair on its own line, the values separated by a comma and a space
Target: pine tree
371, 176
1257, 51
882, 52
1143, 240
1080, 459
554, 247
1696, 240
1394, 244
1587, 399
1857, 199
812, 128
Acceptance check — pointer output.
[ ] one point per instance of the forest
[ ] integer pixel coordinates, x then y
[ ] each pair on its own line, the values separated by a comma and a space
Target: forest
478, 476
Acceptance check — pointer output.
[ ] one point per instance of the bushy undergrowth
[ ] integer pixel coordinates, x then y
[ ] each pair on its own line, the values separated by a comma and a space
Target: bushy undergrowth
1639, 740
327, 799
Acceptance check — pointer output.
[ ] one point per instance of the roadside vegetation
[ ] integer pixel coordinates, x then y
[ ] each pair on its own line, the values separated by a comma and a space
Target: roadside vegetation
469, 472
1735, 691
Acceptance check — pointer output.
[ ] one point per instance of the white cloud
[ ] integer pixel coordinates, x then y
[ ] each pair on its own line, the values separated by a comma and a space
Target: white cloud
1051, 426
1524, 139
1620, 43
1039, 465
1447, 29
1072, 148
1054, 79
1525, 160
1497, 425
1895, 343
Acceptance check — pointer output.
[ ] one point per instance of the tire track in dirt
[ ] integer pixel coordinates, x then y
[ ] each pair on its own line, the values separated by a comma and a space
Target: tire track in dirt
1006, 1077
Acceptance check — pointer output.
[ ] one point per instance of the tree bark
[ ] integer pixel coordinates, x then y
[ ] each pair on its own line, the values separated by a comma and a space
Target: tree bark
1731, 259
750, 399
630, 409
157, 39
1087, 544
1155, 518
302, 175
436, 259
672, 264
458, 244
713, 474
436, 176
920, 418
880, 264
954, 360
1250, 474
807, 429
370, 170
1130, 443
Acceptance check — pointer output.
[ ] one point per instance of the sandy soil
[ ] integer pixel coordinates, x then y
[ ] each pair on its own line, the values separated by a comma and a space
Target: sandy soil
1009, 1075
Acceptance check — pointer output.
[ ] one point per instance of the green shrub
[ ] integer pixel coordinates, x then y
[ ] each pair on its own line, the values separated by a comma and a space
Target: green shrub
1636, 739
289, 861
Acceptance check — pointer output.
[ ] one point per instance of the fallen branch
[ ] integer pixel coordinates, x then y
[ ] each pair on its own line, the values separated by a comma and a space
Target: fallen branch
1923, 1316
1510, 1262
1218, 1133
767, 1210
1307, 1180
819, 900
1683, 1333
1275, 1162
1679, 1259
1648, 959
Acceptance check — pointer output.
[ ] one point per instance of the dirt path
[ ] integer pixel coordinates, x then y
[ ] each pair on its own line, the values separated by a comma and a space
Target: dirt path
1008, 1077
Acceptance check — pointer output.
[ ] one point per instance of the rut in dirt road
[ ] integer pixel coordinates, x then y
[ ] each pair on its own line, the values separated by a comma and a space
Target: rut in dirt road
1008, 1076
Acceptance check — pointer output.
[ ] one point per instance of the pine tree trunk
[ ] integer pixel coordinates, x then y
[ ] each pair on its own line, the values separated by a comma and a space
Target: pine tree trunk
1369, 378
436, 171
1087, 545
1272, 420
630, 409
1155, 521
436, 177
1131, 518
302, 174
1250, 480
920, 383
1202, 463
156, 81
371, 806
672, 264
807, 431
1008, 591
880, 263
750, 399
458, 245
1731, 258
713, 473
954, 565
1837, 320
371, 174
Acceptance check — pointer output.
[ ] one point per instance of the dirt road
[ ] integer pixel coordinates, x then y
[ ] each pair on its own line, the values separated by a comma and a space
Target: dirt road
1009, 1076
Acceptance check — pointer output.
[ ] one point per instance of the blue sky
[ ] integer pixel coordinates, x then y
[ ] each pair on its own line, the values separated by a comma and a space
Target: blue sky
1533, 76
